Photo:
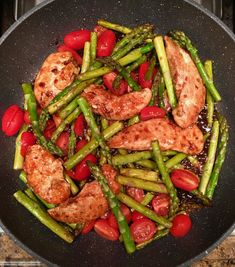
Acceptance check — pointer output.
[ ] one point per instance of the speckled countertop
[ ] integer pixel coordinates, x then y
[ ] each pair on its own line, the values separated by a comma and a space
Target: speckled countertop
13, 255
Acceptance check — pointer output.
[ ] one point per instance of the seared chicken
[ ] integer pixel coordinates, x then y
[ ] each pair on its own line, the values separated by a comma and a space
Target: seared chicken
189, 86
57, 72
170, 136
45, 175
89, 204
114, 107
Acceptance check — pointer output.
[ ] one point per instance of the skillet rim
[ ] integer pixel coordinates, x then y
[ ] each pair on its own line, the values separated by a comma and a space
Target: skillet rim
31, 12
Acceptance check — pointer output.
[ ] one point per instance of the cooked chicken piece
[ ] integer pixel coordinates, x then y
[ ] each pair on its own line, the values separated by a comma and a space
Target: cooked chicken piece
88, 205
110, 173
45, 175
170, 136
114, 107
189, 86
57, 72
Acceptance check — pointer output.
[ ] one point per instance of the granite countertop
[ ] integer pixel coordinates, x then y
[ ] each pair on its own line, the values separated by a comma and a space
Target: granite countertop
13, 255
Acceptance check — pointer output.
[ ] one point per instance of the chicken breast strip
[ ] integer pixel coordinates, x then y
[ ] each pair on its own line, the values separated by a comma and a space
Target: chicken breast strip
89, 204
45, 175
170, 136
114, 107
57, 72
189, 86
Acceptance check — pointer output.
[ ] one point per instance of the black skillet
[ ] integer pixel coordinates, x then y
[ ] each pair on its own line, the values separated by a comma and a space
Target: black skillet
22, 50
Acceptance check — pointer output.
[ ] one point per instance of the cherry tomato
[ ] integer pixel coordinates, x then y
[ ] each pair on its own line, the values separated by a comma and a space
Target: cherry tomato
161, 204
63, 142
99, 30
106, 43
65, 48
80, 144
136, 193
12, 120
27, 139
184, 179
88, 227
77, 39
79, 125
142, 230
71, 173
112, 219
27, 117
103, 229
181, 225
142, 71
137, 215
50, 128
148, 113
82, 171
108, 82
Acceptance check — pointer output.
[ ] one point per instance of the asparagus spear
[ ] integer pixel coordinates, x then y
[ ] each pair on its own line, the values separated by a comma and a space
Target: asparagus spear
93, 47
149, 73
32, 107
161, 91
130, 158
133, 120
161, 53
86, 110
165, 177
155, 86
64, 112
130, 202
31, 195
186, 43
147, 199
152, 176
219, 160
139, 183
72, 142
73, 187
175, 160
86, 57
115, 207
64, 123
19, 159
147, 164
205, 200
92, 145
136, 64
114, 26
44, 217
124, 152
22, 177
209, 99
210, 158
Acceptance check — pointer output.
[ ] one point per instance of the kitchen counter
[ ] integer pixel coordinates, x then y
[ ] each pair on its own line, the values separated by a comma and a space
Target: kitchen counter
223, 255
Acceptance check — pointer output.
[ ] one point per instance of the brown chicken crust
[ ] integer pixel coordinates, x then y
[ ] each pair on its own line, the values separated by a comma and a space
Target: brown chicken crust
114, 107
170, 136
57, 72
189, 86
45, 175
90, 203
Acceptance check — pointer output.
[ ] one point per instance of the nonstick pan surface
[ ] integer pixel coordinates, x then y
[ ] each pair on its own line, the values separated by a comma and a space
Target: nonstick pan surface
22, 50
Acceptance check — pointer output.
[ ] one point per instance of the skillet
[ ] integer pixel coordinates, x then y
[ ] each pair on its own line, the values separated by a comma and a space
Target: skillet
23, 48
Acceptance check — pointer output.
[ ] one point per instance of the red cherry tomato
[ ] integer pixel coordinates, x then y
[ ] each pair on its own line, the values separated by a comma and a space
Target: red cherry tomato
27, 139
136, 193
142, 230
136, 216
108, 82
80, 144
71, 173
106, 43
161, 204
112, 219
79, 125
148, 113
50, 128
88, 227
12, 120
77, 39
181, 225
142, 71
184, 179
99, 30
63, 142
82, 171
103, 229
65, 48
27, 117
